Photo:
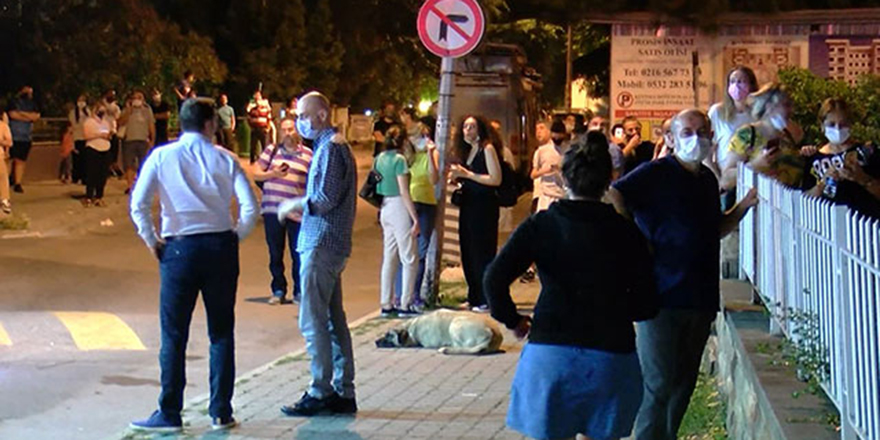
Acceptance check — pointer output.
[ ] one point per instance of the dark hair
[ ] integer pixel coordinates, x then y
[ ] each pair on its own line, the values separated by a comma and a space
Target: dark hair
462, 148
188, 73
411, 112
394, 138
431, 124
195, 113
557, 127
587, 167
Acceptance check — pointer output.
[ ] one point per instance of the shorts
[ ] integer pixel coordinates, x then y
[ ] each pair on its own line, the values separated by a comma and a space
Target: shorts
133, 154
20, 150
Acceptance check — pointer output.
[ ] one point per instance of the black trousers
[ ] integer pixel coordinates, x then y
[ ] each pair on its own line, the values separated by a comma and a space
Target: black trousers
261, 137
478, 238
79, 162
97, 168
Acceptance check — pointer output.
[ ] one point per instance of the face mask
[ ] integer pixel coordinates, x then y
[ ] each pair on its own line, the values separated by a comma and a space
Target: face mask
836, 135
738, 91
422, 144
692, 149
778, 122
304, 128
557, 141
569, 127
137, 103
595, 128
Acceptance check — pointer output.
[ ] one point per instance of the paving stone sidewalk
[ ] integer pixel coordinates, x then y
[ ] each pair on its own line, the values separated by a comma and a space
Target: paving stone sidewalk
401, 393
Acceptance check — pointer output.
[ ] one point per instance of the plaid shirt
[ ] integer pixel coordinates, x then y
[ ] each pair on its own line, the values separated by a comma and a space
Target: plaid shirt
331, 191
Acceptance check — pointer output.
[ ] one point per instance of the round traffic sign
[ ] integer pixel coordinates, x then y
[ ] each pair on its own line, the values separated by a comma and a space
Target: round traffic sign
451, 28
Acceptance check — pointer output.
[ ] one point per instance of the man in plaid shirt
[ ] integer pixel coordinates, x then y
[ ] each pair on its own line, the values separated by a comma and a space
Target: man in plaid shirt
324, 245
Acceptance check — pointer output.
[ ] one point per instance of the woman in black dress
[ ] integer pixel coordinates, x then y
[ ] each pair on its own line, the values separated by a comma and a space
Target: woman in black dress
479, 173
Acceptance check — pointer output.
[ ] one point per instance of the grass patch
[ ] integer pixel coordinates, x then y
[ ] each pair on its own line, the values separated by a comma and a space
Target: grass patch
367, 326
452, 294
289, 359
14, 222
707, 413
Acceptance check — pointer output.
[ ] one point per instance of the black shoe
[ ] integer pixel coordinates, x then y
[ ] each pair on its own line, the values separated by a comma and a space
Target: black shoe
309, 406
343, 405
17, 188
388, 313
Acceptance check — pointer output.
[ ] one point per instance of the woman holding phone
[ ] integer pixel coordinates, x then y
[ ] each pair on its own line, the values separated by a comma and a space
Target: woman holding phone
284, 169
770, 144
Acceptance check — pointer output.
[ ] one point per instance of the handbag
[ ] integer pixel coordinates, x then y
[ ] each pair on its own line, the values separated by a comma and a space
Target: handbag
455, 198
260, 183
370, 190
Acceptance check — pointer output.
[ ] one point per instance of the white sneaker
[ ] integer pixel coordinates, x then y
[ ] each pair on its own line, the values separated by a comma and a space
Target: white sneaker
5, 206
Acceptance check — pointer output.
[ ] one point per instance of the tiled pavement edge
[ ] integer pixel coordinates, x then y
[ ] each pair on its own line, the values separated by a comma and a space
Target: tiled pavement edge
401, 393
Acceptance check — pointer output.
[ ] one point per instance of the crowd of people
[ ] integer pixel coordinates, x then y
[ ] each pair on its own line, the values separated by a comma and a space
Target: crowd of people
657, 209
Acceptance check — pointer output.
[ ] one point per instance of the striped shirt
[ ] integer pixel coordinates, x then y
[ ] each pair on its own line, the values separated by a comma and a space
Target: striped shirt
277, 190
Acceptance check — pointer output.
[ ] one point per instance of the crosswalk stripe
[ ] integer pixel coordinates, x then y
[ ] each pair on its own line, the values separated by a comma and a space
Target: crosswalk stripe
4, 337
99, 331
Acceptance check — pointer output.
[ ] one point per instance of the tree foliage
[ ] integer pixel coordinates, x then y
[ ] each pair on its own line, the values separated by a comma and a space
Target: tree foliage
808, 91
68, 47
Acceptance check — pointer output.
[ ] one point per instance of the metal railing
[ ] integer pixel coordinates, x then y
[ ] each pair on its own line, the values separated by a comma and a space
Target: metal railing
808, 257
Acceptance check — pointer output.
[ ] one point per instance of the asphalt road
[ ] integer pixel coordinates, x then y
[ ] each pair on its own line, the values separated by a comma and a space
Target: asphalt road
79, 332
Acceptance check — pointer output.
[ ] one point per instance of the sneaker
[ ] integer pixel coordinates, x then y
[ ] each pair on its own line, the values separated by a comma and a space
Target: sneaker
343, 405
5, 206
409, 312
480, 309
17, 188
388, 313
275, 300
87, 203
218, 423
100, 203
158, 422
309, 406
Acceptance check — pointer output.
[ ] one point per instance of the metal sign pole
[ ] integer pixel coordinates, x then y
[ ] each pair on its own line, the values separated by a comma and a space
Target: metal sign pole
435, 252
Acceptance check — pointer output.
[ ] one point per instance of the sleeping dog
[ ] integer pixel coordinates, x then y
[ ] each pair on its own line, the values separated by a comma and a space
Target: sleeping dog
451, 332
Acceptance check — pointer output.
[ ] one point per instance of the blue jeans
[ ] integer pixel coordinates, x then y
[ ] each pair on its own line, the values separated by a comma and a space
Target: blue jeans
323, 324
426, 214
206, 263
670, 348
275, 235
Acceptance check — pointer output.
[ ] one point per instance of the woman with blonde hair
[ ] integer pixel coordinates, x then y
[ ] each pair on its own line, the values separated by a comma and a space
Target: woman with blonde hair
770, 144
729, 115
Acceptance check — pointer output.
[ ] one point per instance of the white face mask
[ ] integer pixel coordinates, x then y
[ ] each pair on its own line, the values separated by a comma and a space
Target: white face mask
778, 122
836, 135
692, 149
421, 144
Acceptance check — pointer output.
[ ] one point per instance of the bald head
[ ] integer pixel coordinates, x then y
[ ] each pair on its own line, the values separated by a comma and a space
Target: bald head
691, 121
315, 108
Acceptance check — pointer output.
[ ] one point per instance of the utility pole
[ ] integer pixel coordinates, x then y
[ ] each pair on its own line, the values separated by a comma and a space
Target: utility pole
568, 68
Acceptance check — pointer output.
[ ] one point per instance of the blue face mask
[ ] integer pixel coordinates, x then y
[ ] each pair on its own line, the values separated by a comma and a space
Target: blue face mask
304, 127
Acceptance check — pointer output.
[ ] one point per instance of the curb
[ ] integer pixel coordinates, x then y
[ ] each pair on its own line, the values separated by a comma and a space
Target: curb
196, 402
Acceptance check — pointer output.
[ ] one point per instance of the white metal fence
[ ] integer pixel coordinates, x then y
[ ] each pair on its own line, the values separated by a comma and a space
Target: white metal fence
806, 256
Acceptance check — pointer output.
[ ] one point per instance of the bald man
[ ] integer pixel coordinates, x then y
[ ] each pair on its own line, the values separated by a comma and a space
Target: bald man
674, 201
324, 245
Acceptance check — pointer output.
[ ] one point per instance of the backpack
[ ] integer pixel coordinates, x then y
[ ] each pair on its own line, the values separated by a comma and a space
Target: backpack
508, 191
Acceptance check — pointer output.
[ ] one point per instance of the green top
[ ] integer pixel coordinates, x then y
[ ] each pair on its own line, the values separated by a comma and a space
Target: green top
390, 164
226, 114
420, 187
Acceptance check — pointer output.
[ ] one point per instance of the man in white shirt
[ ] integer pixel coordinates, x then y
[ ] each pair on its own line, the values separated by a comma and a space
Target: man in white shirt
197, 251
547, 166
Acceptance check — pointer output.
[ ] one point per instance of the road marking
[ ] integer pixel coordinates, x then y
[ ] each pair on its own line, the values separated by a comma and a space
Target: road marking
99, 331
4, 337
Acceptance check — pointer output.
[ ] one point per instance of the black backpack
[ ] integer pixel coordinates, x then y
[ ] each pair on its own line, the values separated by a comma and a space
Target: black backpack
508, 191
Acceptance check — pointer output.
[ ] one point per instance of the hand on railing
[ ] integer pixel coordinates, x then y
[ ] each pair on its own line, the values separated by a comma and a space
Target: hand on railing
750, 199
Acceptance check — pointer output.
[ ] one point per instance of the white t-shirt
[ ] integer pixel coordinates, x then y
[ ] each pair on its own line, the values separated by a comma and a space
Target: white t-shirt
551, 184
724, 130
93, 128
